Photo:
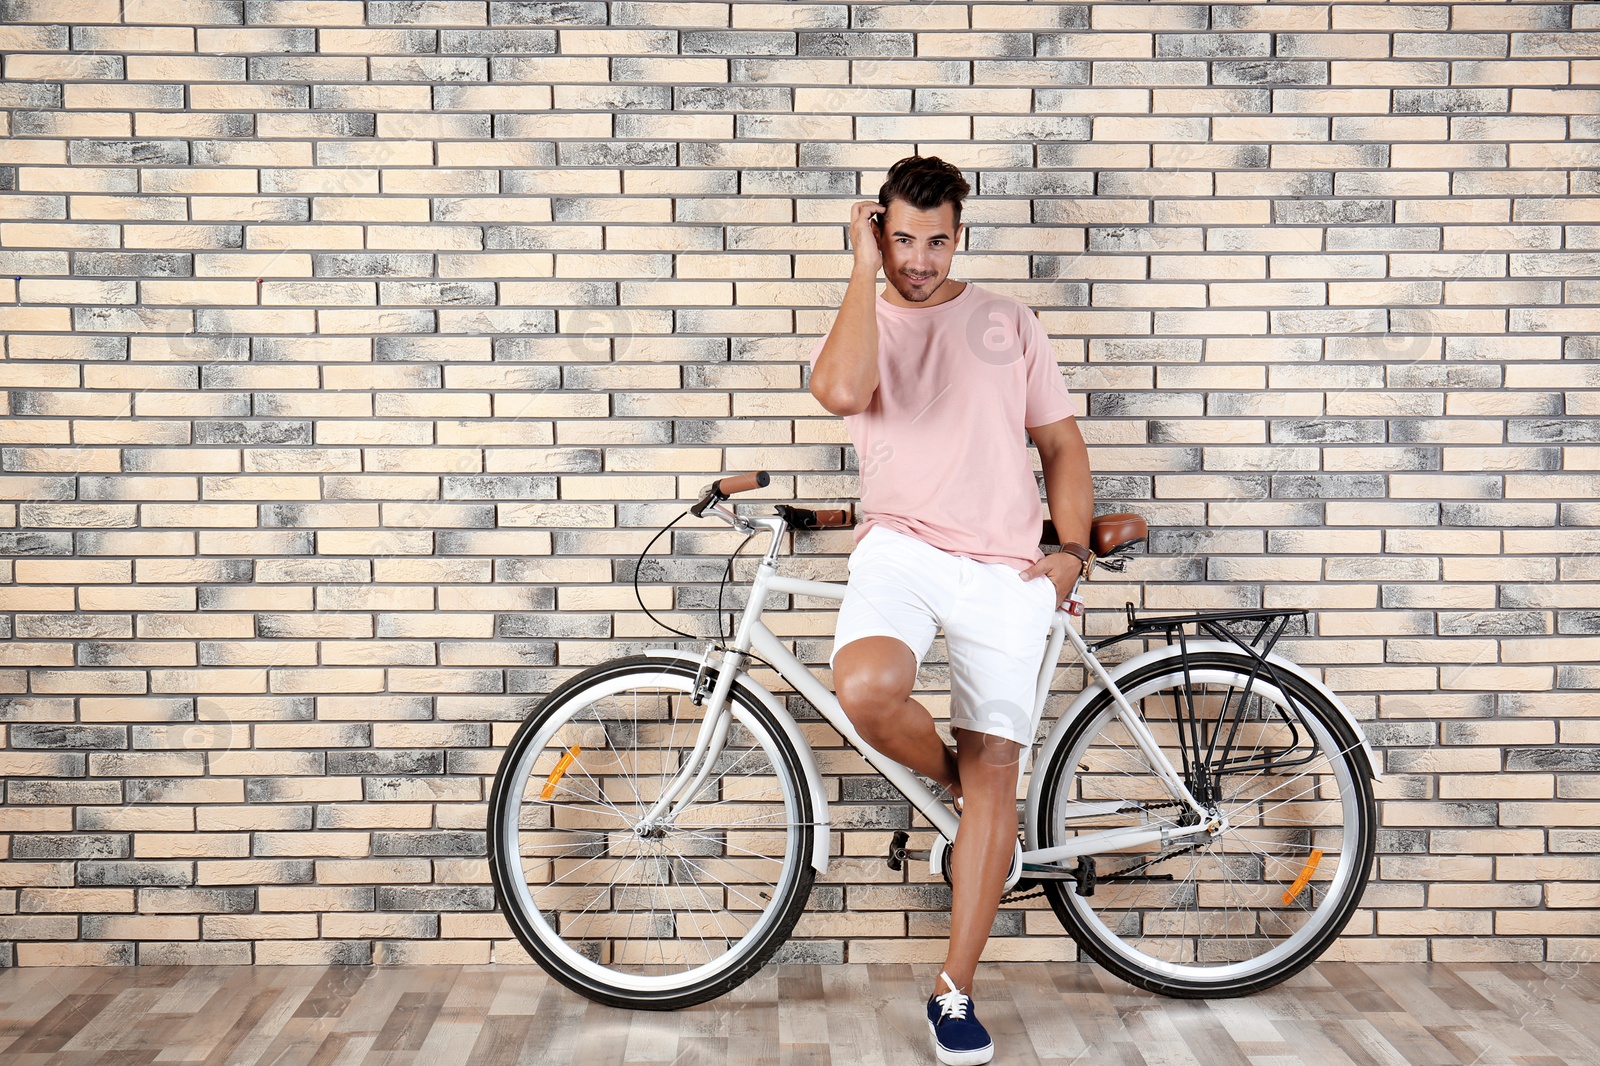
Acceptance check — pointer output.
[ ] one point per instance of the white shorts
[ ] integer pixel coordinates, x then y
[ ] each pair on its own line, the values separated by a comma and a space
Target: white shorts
996, 624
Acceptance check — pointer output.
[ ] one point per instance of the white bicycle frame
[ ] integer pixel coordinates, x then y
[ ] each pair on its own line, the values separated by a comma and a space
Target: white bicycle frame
753, 634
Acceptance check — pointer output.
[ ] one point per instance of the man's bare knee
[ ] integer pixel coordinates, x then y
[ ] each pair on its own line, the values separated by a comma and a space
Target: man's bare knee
873, 674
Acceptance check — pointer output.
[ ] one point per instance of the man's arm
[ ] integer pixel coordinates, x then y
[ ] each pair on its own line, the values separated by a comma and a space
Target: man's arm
845, 374
1068, 486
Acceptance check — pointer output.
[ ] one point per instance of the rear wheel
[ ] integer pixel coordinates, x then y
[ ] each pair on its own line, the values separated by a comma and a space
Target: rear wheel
638, 914
1221, 913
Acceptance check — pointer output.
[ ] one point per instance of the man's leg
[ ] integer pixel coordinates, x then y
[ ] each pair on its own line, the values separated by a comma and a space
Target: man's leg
984, 845
873, 678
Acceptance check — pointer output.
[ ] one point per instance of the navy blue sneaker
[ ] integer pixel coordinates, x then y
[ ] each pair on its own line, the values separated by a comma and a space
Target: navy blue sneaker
958, 1037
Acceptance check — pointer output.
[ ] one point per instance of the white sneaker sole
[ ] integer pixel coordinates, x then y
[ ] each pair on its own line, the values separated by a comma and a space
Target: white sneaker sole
960, 1058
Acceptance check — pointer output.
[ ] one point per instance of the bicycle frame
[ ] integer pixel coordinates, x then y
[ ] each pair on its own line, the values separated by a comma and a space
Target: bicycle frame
753, 635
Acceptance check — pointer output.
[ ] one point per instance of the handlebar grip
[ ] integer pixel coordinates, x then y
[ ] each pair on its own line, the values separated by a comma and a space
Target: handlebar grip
834, 519
727, 486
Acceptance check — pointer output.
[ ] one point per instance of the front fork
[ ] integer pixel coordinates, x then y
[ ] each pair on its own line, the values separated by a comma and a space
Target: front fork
713, 734
708, 743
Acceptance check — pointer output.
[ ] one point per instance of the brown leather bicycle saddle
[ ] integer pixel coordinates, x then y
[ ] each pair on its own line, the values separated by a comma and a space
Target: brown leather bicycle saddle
1116, 532
1108, 533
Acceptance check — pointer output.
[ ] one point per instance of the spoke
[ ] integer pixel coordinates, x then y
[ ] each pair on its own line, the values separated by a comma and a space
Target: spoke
575, 869
579, 796
715, 778
713, 911
604, 892
755, 820
728, 846
1291, 799
633, 778
610, 743
565, 847
663, 775
1145, 773
599, 790
1274, 911
724, 884
1253, 913
662, 879
1274, 843
1327, 763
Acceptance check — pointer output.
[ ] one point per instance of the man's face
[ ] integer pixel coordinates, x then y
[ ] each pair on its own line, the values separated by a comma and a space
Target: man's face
917, 247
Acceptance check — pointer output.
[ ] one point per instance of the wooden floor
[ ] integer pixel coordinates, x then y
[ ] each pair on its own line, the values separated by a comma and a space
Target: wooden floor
855, 1015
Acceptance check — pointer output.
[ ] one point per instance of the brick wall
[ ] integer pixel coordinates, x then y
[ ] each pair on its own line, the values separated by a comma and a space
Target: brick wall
353, 352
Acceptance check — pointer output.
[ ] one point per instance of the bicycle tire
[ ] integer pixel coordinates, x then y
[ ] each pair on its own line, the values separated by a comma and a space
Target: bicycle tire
688, 929
1234, 920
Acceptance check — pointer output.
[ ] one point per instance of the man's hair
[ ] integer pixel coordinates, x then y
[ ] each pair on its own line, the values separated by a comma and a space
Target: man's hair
925, 182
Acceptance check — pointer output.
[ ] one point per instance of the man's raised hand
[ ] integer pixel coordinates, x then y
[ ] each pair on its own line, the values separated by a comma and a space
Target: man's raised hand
864, 231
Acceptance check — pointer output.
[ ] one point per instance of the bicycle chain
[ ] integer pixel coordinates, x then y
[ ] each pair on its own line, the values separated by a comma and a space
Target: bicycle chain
1013, 897
1163, 857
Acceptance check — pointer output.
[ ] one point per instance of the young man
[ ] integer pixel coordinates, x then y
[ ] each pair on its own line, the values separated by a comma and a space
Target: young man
937, 380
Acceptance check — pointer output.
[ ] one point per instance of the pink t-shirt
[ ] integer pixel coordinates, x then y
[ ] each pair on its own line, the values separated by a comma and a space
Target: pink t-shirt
941, 448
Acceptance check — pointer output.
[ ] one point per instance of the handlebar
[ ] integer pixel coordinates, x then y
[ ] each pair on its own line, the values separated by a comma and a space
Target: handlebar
722, 488
794, 518
1111, 536
727, 486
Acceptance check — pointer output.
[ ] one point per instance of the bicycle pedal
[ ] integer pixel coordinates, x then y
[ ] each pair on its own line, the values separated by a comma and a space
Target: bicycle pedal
897, 850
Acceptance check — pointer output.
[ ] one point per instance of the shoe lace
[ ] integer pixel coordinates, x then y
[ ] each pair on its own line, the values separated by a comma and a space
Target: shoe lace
952, 1004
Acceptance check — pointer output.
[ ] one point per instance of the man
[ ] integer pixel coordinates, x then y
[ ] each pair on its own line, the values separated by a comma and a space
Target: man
937, 380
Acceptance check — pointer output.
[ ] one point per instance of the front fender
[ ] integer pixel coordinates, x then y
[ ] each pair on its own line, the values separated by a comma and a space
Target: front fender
1172, 651
808, 762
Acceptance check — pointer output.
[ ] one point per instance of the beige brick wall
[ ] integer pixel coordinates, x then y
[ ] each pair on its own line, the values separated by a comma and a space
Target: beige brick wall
354, 350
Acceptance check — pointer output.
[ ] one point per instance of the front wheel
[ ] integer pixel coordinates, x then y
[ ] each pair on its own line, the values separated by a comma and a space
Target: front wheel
1250, 903
632, 912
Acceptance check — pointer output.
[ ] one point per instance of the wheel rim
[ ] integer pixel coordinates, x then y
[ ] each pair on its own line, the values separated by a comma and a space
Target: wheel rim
1222, 918
676, 906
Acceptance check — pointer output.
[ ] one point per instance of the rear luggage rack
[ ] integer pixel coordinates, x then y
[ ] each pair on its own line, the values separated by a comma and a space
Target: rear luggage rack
1217, 740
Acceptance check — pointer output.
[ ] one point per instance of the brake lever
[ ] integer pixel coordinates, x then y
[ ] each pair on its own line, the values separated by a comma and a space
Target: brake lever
709, 497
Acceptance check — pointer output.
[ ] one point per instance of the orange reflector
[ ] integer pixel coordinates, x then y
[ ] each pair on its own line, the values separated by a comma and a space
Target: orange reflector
1304, 879
561, 768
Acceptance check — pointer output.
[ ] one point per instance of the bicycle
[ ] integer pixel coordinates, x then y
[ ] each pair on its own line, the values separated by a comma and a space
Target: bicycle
1200, 817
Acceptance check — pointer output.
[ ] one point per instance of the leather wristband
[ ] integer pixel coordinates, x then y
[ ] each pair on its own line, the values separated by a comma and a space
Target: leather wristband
1079, 552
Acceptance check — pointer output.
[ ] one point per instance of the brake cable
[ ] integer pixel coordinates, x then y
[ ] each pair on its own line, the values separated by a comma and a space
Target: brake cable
727, 575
